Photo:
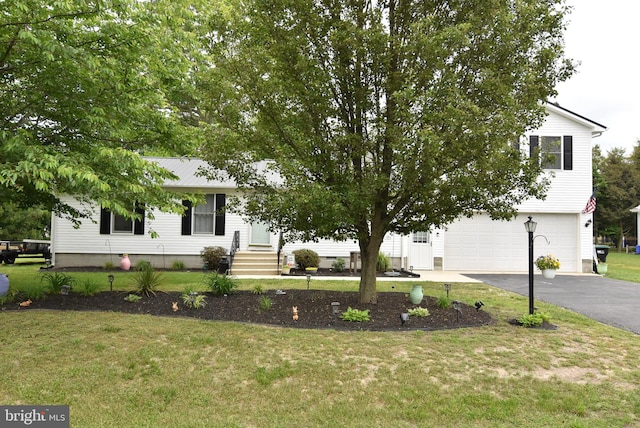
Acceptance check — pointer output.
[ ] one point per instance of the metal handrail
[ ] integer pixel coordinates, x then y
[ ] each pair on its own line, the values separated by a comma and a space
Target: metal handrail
235, 245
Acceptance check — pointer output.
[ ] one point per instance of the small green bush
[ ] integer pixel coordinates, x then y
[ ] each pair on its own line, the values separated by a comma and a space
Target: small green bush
384, 263
219, 284
88, 288
443, 302
143, 265
211, 256
265, 303
55, 280
109, 266
147, 280
132, 298
355, 315
338, 265
192, 299
418, 312
257, 289
306, 258
178, 265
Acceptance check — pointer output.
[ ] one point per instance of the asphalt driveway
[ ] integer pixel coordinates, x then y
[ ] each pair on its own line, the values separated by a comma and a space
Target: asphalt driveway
609, 301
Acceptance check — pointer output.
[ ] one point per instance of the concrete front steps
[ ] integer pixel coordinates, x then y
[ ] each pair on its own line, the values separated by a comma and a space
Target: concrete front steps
255, 263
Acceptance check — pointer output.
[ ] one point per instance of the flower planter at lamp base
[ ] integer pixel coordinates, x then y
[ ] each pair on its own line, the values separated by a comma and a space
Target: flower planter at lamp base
548, 273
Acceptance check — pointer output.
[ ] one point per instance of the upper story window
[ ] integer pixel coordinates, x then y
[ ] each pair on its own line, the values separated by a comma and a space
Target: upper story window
556, 151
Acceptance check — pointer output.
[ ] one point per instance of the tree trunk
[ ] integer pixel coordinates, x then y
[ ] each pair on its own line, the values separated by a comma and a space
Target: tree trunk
369, 250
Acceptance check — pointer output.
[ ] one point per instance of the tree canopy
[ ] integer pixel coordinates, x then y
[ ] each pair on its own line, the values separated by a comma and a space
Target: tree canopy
86, 88
380, 116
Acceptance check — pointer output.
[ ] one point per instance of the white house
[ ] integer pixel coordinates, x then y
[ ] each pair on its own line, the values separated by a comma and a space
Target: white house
477, 244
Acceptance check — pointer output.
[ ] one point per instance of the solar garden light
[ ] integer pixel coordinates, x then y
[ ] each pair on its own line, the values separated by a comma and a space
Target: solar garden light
111, 278
64, 290
335, 308
456, 307
192, 296
447, 288
404, 318
308, 280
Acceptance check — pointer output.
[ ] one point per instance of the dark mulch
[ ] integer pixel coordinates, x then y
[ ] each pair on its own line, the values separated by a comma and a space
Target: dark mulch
314, 309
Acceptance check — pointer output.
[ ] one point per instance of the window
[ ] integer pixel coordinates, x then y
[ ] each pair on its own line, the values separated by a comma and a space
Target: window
550, 150
555, 152
207, 218
114, 223
121, 224
204, 215
421, 237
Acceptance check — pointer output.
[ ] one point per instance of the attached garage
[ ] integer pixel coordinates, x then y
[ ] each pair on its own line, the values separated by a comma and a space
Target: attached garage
480, 244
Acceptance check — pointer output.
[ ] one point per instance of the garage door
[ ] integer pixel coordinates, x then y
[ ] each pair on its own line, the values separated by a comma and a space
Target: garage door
480, 244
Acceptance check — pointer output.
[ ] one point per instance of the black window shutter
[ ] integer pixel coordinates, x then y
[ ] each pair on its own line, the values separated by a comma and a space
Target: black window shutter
220, 214
567, 152
105, 221
533, 145
186, 218
138, 225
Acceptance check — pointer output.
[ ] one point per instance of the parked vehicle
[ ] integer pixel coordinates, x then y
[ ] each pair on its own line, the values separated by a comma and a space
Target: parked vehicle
11, 250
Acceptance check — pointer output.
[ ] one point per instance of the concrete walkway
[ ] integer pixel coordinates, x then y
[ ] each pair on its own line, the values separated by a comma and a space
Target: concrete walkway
609, 301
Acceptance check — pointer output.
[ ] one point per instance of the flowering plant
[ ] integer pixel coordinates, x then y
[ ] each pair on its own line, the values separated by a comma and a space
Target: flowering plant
547, 262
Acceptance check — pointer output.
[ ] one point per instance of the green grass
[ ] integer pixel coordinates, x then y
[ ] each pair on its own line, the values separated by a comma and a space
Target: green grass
120, 370
623, 266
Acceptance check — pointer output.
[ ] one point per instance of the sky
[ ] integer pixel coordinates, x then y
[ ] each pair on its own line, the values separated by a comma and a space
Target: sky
603, 36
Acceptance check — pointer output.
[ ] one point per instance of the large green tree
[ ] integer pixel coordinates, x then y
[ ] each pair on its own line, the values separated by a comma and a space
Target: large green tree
617, 194
380, 116
86, 88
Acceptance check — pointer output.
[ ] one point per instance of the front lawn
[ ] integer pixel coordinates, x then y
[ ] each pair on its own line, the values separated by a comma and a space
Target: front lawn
122, 370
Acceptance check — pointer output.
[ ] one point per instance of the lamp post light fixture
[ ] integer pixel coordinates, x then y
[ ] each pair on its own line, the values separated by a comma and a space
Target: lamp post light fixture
530, 227
111, 278
308, 280
447, 288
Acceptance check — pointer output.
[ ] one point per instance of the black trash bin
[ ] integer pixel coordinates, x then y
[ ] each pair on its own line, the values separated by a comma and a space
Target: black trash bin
602, 251
223, 265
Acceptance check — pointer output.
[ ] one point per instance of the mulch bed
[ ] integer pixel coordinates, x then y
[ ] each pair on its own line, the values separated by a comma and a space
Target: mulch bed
314, 309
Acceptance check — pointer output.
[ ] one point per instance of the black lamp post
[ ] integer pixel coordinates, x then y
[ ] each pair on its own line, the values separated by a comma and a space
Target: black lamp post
530, 227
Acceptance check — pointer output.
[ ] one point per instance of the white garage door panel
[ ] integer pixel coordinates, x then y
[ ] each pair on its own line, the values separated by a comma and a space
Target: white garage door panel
480, 244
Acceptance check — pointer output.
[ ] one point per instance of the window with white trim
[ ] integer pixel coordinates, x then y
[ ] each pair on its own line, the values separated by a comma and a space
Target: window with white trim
120, 224
204, 216
421, 237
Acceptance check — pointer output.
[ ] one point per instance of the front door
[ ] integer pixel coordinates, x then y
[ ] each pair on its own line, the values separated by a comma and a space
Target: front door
420, 255
260, 235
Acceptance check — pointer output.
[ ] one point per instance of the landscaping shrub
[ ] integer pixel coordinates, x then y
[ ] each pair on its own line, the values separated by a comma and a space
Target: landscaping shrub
384, 263
219, 284
211, 256
306, 258
55, 280
146, 280
338, 265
